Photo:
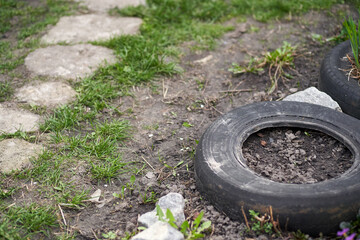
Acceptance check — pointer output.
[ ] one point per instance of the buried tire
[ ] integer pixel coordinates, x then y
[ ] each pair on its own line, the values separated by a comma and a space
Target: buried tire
224, 178
334, 81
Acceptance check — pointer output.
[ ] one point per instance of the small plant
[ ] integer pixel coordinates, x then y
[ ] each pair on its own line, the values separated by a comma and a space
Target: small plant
279, 59
298, 235
5, 91
252, 67
350, 230
353, 33
149, 197
109, 235
260, 224
191, 231
128, 187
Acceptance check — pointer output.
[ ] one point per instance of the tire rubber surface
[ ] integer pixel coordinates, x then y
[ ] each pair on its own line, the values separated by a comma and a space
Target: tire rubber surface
224, 178
335, 82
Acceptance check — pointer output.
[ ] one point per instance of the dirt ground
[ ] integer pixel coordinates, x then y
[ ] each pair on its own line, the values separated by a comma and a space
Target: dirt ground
171, 117
204, 91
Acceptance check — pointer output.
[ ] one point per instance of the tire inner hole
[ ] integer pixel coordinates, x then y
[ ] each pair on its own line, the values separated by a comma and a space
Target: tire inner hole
296, 155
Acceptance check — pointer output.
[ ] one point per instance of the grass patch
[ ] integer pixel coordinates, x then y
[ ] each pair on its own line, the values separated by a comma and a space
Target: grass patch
26, 222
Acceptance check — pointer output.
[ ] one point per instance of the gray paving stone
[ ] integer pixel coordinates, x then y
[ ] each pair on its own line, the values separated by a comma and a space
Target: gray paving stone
91, 27
49, 94
16, 154
68, 61
12, 120
105, 5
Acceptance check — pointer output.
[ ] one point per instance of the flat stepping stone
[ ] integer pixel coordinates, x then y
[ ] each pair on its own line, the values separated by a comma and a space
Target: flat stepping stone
48, 94
105, 5
91, 27
12, 120
69, 62
16, 154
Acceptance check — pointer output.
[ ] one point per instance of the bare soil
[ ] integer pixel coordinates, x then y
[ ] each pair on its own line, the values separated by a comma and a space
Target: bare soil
296, 155
203, 92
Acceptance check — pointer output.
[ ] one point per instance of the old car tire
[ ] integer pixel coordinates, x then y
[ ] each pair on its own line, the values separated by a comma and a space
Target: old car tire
335, 83
224, 178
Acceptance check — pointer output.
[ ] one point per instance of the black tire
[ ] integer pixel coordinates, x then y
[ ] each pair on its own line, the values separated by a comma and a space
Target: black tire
224, 178
335, 83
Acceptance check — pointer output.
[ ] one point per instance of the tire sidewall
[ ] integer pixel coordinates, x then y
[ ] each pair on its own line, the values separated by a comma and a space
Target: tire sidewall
334, 81
223, 176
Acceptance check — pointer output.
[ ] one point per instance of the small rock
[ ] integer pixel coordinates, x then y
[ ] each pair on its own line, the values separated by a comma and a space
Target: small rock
173, 201
314, 96
293, 90
302, 152
159, 231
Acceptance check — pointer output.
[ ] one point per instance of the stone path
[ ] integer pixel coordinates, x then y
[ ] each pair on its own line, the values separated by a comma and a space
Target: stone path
59, 64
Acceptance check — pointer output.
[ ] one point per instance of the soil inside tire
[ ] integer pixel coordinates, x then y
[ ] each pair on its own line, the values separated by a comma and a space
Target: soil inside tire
296, 155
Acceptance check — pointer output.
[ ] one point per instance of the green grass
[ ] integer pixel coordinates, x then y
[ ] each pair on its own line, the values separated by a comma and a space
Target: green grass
26, 222
24, 20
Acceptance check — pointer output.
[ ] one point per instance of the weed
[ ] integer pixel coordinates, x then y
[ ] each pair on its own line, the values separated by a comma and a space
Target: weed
69, 197
187, 125
107, 169
298, 235
260, 224
18, 134
148, 197
5, 91
109, 235
190, 231
354, 35
280, 59
252, 67
4, 193
126, 189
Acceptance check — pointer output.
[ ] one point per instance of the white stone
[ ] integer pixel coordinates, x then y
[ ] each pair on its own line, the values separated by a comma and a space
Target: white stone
16, 154
314, 96
105, 5
12, 120
49, 94
159, 231
68, 61
172, 201
91, 27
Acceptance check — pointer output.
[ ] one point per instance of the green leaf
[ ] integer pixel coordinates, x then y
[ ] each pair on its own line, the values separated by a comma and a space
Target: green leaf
159, 213
184, 227
204, 226
198, 220
132, 179
171, 218
186, 124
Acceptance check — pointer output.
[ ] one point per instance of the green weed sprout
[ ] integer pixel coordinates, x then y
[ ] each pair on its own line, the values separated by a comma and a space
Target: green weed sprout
353, 33
191, 231
279, 59
260, 224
